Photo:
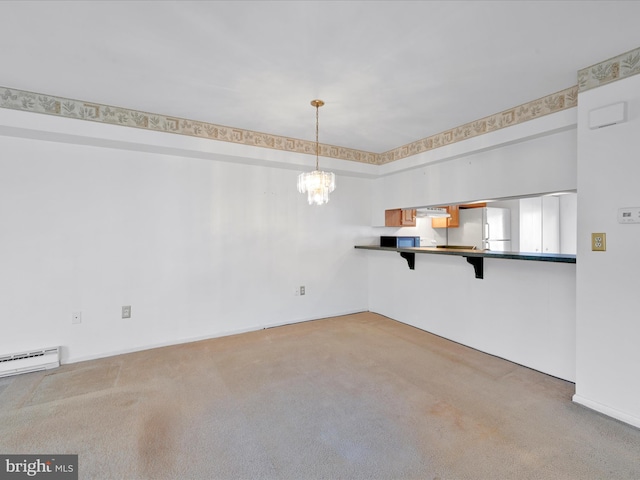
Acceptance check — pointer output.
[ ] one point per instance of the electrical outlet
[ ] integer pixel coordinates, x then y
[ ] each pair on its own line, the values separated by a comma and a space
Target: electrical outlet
302, 290
76, 317
598, 242
126, 311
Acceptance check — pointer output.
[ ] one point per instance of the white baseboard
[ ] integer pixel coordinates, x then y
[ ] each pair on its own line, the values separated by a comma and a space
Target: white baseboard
65, 360
606, 410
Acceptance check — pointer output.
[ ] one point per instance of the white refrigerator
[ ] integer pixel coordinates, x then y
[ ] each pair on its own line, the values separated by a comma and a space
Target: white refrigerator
486, 228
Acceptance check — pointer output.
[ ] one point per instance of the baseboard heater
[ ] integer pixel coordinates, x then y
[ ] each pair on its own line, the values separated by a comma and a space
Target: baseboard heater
31, 361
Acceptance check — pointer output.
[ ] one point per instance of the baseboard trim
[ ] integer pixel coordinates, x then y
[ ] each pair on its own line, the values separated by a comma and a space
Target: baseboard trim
606, 410
225, 333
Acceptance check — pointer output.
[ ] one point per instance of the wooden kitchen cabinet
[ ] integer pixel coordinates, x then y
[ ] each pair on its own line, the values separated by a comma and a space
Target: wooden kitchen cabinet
452, 221
400, 217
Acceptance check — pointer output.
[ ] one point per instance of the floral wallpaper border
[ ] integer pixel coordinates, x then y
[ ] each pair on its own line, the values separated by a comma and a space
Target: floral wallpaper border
528, 111
616, 68
64, 107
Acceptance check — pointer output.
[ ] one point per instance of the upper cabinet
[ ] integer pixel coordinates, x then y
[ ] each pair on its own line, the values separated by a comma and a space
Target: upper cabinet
540, 224
400, 218
452, 221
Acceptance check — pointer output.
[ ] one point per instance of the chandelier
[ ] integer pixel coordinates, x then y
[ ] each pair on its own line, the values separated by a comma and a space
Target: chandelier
317, 184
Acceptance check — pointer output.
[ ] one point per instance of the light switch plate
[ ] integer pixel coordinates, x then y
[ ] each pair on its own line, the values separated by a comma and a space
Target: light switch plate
598, 242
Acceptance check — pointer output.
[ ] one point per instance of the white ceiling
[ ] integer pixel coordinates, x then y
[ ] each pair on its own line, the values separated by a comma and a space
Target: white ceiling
390, 72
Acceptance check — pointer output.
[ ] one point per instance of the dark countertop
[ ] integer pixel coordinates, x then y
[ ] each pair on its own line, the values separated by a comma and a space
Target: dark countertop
538, 257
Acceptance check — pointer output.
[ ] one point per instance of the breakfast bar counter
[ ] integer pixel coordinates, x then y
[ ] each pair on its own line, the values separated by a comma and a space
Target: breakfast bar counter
474, 257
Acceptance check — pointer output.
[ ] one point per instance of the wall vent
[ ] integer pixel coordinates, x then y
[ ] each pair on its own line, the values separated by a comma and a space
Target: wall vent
31, 361
607, 116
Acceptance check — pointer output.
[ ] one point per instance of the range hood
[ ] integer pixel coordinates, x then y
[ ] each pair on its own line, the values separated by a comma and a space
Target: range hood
434, 212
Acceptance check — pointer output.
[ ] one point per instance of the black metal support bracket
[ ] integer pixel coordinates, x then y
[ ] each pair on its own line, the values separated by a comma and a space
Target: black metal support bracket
478, 265
410, 258
477, 262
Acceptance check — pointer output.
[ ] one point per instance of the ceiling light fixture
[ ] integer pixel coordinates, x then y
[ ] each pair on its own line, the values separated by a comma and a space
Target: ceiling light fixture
317, 184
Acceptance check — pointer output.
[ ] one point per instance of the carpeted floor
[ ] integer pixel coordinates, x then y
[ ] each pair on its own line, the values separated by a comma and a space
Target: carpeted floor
353, 397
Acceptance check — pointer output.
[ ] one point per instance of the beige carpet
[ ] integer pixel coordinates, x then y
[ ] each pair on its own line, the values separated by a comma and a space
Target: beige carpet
359, 396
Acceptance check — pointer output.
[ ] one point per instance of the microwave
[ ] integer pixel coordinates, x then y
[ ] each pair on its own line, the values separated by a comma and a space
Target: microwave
399, 242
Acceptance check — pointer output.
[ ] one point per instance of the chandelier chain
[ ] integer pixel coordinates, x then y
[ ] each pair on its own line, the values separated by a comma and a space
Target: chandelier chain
317, 130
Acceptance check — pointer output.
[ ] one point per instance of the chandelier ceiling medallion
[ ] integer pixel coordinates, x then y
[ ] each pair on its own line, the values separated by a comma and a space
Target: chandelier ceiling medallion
317, 184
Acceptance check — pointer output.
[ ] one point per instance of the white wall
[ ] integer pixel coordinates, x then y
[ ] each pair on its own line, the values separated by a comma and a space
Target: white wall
198, 248
569, 223
608, 325
522, 160
523, 311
